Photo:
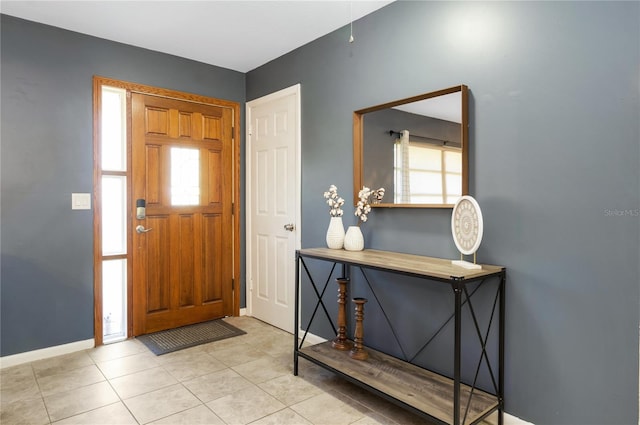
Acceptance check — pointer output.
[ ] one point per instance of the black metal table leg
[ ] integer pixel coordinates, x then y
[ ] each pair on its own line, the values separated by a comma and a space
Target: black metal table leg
296, 319
457, 346
501, 331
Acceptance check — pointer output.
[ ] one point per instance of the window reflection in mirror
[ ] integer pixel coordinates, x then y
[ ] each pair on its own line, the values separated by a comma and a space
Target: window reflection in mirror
415, 148
427, 175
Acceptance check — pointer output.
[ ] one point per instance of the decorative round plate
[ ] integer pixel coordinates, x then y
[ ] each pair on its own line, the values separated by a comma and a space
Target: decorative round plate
466, 225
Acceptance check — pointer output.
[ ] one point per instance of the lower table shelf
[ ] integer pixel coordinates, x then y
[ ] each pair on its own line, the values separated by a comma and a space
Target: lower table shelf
421, 390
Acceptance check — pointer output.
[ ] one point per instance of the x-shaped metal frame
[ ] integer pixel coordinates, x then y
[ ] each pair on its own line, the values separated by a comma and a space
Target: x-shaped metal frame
319, 303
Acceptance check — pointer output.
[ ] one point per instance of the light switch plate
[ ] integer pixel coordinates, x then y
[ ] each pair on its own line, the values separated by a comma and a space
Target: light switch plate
80, 201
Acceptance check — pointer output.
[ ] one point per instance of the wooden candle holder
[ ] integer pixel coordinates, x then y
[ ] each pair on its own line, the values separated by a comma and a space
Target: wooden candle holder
341, 342
358, 352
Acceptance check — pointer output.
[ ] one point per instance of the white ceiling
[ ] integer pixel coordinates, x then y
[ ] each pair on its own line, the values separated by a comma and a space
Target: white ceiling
446, 107
240, 35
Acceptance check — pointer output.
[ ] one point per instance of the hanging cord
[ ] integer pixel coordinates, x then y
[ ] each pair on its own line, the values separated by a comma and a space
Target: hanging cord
351, 19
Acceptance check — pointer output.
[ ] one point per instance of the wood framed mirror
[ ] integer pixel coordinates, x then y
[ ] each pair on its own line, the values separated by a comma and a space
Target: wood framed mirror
416, 148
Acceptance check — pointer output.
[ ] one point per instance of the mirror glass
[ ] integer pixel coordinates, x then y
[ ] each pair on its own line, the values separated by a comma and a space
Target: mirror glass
416, 148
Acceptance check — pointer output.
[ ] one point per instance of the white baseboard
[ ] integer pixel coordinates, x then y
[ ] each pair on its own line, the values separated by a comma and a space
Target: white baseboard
513, 420
243, 312
311, 338
45, 353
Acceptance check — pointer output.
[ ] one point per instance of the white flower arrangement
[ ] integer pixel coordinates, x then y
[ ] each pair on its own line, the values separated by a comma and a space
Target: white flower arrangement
334, 201
367, 197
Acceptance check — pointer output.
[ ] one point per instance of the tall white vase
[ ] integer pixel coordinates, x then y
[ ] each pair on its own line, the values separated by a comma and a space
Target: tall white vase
353, 239
335, 233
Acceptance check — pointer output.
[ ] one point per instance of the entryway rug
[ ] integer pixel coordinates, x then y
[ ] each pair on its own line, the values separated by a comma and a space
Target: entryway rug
164, 342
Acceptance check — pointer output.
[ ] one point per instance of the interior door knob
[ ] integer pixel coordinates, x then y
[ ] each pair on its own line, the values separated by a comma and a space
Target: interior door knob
289, 227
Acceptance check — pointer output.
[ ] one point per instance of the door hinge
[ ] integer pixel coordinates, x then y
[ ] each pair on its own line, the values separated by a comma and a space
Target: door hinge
233, 208
233, 284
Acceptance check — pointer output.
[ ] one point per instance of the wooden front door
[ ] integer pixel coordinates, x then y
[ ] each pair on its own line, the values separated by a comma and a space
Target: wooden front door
182, 165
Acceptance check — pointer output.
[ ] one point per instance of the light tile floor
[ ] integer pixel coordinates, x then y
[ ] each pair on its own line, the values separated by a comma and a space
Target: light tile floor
242, 380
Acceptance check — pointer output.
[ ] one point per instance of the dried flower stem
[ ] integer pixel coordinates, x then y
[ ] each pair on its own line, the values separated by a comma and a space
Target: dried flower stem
367, 196
334, 201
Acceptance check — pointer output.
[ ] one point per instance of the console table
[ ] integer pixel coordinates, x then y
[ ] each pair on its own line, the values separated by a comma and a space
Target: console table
443, 399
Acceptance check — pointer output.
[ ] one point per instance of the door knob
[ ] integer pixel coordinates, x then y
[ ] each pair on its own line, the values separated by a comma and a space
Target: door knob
289, 227
140, 229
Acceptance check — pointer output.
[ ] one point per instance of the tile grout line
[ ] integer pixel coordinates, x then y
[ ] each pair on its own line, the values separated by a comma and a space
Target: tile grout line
35, 378
121, 400
202, 403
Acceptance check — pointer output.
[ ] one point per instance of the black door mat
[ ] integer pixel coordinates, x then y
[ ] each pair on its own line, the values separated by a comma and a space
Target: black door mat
164, 342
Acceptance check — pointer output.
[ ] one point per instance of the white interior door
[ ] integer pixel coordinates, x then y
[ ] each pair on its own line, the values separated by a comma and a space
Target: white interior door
273, 205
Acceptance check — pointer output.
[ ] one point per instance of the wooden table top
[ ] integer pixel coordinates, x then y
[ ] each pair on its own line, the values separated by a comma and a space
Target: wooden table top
418, 265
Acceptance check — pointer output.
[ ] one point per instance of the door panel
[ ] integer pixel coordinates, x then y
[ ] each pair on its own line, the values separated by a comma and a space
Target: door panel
187, 266
282, 293
156, 264
213, 250
182, 166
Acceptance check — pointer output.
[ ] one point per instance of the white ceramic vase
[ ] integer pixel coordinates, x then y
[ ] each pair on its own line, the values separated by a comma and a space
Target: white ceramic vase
353, 239
335, 233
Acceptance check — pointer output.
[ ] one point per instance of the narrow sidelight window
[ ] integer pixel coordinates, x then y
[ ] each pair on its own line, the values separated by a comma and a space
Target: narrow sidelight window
113, 183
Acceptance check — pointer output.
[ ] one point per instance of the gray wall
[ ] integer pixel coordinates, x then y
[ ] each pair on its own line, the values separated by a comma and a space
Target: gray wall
47, 153
555, 160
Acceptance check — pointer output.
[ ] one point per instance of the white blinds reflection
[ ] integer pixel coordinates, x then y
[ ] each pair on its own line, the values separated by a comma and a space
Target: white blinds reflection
403, 177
